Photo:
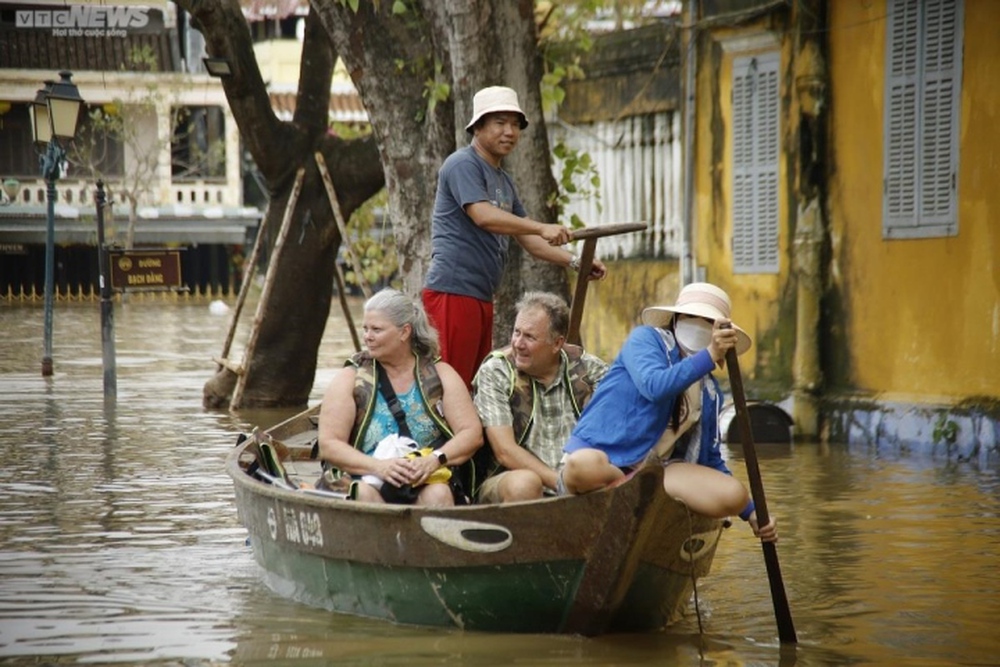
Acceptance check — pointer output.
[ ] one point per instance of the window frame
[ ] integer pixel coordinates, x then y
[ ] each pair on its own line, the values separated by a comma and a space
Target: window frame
197, 131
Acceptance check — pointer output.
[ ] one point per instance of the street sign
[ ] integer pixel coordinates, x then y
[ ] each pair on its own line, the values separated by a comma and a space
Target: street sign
145, 270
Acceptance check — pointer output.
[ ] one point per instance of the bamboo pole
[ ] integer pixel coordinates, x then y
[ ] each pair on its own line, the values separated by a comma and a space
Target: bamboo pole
342, 293
272, 269
338, 215
251, 268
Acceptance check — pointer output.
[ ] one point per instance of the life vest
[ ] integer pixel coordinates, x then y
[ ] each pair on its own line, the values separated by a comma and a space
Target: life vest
523, 396
365, 389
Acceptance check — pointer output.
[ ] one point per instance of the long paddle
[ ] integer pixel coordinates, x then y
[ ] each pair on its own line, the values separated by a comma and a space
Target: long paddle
589, 236
782, 614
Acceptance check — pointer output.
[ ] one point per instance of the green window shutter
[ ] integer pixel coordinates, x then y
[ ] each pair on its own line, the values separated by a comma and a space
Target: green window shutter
923, 75
756, 146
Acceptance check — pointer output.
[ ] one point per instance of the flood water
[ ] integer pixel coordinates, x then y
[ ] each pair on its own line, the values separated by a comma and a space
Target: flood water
119, 541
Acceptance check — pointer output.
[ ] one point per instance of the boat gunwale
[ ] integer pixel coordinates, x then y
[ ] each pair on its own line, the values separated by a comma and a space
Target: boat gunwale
239, 476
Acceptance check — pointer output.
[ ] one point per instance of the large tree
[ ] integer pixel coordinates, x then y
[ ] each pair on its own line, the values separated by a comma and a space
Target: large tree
416, 65
283, 366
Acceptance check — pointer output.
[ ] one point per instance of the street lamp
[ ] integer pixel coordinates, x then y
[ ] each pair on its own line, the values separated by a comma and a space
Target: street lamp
54, 115
218, 67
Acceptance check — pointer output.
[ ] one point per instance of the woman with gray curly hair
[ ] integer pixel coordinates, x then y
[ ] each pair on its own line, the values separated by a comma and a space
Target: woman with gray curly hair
398, 387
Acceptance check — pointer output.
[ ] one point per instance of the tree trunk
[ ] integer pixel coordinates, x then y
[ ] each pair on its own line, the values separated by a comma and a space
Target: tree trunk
516, 50
389, 58
283, 367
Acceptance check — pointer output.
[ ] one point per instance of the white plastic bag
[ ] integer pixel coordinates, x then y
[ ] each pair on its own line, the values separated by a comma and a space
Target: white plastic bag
392, 446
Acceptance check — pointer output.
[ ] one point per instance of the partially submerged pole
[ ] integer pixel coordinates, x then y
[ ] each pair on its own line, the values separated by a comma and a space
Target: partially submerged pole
107, 304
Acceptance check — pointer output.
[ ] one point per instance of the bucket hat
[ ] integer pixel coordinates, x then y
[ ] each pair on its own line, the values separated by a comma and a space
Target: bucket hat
700, 300
493, 100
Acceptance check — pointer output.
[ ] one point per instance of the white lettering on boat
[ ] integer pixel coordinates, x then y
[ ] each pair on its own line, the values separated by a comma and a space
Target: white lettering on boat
272, 523
291, 525
300, 526
312, 532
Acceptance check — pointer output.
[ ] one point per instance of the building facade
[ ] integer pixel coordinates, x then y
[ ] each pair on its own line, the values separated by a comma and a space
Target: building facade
844, 154
155, 128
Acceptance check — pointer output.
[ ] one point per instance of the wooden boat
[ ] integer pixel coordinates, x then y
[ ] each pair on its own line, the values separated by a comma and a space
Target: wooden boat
623, 559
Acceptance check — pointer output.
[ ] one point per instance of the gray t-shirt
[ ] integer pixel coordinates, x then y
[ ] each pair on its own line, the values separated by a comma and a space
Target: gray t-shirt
466, 259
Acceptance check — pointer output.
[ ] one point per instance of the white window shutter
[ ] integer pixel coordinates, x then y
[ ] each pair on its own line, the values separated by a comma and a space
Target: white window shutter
742, 161
756, 148
902, 70
923, 77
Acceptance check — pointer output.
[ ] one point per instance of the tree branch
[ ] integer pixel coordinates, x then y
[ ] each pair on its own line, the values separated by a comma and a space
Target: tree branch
227, 36
312, 106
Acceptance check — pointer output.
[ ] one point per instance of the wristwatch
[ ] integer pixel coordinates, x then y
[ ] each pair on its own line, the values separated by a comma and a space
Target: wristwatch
574, 263
441, 456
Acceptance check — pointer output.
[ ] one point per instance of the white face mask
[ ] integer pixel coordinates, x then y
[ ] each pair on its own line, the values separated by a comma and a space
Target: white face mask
693, 334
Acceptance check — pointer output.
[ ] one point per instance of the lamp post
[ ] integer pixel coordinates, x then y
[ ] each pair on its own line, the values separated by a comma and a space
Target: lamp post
54, 115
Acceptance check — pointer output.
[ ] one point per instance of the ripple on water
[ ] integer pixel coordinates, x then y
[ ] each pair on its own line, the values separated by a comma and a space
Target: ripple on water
119, 540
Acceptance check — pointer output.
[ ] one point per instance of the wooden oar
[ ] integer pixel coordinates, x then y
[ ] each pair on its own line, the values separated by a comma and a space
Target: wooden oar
589, 236
782, 614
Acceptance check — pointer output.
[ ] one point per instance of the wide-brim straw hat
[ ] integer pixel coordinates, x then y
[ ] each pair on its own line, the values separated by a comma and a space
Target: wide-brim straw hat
700, 300
495, 99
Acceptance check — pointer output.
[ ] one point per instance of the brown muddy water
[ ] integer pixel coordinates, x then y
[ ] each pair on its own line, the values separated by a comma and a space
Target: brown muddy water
119, 541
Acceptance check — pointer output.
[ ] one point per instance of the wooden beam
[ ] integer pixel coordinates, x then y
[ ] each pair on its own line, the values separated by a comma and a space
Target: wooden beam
265, 295
251, 268
338, 215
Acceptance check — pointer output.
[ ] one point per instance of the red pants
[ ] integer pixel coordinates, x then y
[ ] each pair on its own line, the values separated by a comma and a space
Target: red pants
465, 328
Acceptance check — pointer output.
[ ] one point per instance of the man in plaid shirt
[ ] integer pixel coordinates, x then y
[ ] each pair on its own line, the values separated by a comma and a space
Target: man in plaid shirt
529, 396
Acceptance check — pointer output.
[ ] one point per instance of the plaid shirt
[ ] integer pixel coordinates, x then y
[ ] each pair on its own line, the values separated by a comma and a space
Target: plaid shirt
554, 418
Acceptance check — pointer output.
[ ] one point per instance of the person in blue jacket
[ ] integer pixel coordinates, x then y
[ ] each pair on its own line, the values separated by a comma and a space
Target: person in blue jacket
659, 399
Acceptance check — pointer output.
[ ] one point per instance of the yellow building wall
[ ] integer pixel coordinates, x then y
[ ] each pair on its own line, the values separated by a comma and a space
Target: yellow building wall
613, 306
762, 303
915, 320
280, 59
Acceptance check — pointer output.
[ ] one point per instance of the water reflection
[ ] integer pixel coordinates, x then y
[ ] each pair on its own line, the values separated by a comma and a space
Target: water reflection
119, 540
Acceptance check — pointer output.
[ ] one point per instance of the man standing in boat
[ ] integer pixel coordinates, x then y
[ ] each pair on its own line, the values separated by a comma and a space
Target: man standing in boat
529, 396
476, 211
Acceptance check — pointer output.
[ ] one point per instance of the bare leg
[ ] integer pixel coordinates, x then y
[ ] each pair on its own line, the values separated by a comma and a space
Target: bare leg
588, 470
437, 495
705, 490
369, 494
520, 485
